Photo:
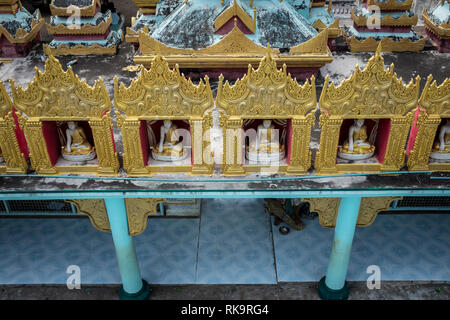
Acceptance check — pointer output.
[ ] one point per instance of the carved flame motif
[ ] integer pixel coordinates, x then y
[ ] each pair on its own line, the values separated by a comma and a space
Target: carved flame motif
57, 93
5, 102
372, 91
436, 99
161, 91
266, 91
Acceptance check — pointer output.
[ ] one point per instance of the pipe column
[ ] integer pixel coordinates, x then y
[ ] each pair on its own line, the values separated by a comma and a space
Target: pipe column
133, 286
333, 286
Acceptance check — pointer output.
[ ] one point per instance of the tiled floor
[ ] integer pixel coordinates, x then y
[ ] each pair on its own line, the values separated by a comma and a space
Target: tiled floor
231, 243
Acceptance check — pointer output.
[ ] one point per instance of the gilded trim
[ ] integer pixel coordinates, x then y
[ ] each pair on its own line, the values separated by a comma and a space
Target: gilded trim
236, 11
388, 45
388, 20
235, 50
392, 5
63, 50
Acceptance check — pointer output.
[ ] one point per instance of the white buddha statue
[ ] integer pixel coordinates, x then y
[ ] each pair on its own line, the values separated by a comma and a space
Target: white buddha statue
441, 148
267, 147
77, 146
169, 148
357, 147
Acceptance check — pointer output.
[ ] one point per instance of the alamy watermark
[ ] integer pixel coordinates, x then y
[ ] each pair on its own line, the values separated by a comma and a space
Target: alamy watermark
74, 280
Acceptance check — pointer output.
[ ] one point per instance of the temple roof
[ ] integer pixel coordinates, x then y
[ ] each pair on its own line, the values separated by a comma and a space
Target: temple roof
88, 8
20, 26
67, 3
191, 24
93, 21
440, 13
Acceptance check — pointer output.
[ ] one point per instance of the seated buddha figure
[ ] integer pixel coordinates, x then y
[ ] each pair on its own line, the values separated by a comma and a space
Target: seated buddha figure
267, 147
441, 148
77, 147
356, 147
169, 148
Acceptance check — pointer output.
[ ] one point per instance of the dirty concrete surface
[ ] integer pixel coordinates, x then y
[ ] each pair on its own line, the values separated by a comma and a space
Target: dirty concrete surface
392, 290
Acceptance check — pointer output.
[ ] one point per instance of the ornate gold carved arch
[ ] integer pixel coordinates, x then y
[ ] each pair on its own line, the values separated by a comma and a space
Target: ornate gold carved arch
268, 93
435, 105
372, 93
58, 95
162, 93
9, 146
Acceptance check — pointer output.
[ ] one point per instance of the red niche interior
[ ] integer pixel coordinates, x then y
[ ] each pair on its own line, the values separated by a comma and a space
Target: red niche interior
52, 137
381, 140
157, 131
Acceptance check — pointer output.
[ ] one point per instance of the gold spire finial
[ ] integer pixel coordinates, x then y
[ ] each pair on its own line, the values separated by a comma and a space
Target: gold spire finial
379, 49
330, 3
268, 50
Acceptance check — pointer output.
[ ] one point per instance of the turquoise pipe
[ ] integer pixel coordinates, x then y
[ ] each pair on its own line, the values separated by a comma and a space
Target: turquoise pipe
342, 243
124, 244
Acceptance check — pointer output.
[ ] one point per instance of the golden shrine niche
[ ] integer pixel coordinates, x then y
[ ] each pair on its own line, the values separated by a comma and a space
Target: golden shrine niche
386, 104
13, 147
50, 102
267, 93
432, 115
158, 96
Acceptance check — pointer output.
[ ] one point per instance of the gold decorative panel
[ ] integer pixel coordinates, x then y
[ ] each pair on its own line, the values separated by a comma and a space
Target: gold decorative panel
9, 146
138, 211
95, 209
234, 50
60, 96
328, 209
373, 93
161, 93
267, 93
435, 106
